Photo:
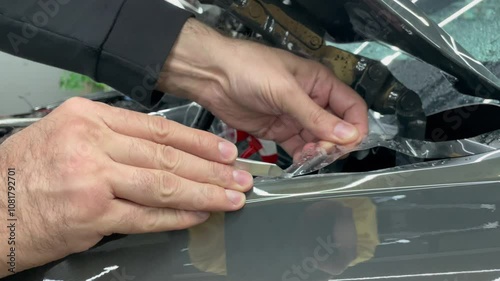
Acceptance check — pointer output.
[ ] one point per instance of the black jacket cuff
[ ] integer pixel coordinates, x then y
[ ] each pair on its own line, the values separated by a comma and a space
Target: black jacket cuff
137, 47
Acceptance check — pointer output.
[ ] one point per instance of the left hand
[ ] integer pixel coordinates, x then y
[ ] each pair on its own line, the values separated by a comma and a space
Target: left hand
267, 92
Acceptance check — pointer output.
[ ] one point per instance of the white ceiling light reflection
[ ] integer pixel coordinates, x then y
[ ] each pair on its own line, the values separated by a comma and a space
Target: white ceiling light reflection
460, 12
192, 5
176, 3
389, 59
422, 19
106, 271
361, 47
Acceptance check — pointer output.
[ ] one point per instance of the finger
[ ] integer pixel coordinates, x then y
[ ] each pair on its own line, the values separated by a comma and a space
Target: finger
346, 103
162, 131
307, 136
156, 188
324, 125
329, 91
358, 116
293, 145
146, 154
304, 152
129, 218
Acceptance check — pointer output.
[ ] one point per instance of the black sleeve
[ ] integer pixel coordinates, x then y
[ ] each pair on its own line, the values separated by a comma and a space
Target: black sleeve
122, 43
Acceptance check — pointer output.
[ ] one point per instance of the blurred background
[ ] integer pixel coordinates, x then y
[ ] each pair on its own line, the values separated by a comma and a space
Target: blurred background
26, 84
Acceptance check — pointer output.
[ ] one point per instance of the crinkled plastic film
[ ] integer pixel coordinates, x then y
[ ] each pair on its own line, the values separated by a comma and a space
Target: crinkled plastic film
384, 134
186, 115
435, 103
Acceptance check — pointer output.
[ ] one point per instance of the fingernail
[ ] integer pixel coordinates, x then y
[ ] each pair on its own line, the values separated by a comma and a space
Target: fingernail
228, 150
327, 146
234, 196
345, 131
203, 215
242, 178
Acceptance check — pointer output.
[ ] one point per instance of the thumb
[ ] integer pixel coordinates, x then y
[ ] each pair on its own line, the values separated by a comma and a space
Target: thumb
321, 123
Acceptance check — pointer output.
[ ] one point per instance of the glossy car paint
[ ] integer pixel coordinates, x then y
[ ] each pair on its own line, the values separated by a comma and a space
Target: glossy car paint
435, 221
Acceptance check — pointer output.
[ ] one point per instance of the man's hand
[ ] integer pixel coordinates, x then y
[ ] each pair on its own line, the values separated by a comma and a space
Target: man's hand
267, 92
88, 170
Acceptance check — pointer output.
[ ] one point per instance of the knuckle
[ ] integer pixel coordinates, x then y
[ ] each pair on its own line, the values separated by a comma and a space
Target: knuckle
182, 220
168, 188
203, 140
94, 134
96, 196
77, 124
105, 106
144, 179
159, 127
169, 158
316, 116
77, 161
82, 129
75, 104
221, 174
135, 146
204, 197
90, 197
151, 222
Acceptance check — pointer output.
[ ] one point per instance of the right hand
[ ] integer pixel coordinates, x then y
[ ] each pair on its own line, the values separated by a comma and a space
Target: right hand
269, 93
88, 170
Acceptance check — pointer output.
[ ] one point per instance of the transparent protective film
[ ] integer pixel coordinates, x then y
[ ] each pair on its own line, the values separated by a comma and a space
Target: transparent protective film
187, 115
438, 103
384, 134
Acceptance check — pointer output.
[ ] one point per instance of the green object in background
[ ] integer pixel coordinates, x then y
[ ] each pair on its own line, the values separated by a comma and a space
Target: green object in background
76, 82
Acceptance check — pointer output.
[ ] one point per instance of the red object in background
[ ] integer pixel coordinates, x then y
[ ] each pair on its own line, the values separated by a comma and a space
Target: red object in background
267, 149
241, 136
254, 146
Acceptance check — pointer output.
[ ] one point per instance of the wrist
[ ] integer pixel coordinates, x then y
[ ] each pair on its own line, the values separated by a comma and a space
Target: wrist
196, 63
